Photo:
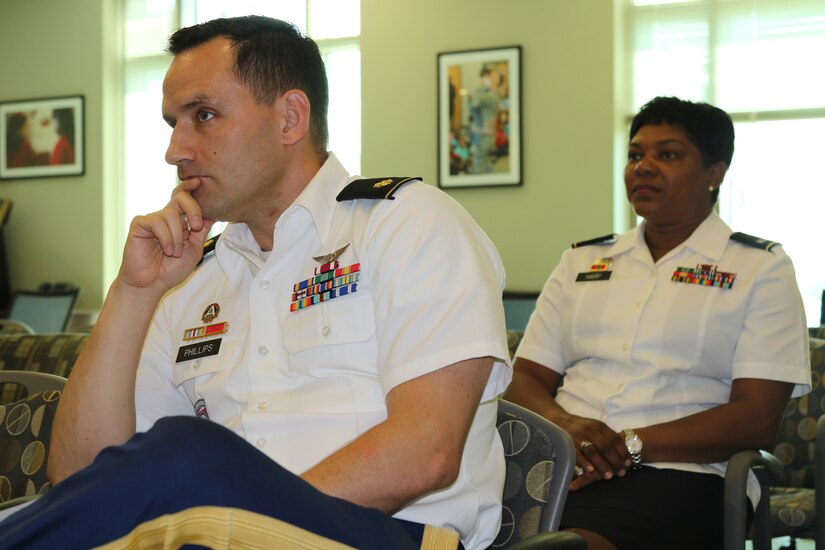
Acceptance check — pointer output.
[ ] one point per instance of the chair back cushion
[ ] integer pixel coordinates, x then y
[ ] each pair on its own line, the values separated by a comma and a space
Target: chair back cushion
797, 432
50, 353
25, 431
530, 459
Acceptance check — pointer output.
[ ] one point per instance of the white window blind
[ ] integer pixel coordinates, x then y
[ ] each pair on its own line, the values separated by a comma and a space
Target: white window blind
761, 61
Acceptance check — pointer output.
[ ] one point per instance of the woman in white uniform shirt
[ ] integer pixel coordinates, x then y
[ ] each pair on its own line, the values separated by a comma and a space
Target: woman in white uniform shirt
667, 349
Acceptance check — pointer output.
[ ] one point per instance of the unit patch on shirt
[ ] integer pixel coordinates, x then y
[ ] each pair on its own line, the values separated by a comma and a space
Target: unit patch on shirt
704, 274
600, 271
329, 282
200, 409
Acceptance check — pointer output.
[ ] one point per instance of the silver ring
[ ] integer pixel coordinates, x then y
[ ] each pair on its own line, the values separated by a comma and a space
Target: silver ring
579, 471
585, 444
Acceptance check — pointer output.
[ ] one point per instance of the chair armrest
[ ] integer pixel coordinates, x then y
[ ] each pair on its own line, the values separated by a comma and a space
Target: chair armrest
17, 501
555, 540
768, 471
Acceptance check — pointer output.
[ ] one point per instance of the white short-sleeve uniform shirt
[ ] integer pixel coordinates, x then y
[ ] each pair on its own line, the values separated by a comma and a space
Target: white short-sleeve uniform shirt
414, 286
638, 348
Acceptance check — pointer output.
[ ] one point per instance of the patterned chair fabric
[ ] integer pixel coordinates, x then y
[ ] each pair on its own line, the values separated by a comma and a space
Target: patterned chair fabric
792, 506
540, 459
53, 353
817, 332
25, 430
513, 340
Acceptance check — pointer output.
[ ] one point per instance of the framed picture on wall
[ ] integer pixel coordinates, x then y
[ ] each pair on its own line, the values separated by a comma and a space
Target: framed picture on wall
42, 138
479, 118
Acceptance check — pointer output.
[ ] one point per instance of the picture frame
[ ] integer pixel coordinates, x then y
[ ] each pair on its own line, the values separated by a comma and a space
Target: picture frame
480, 118
42, 137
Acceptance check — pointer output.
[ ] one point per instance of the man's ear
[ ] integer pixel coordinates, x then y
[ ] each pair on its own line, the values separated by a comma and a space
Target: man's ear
296, 116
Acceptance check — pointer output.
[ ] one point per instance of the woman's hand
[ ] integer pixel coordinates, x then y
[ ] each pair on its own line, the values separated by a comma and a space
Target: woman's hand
599, 450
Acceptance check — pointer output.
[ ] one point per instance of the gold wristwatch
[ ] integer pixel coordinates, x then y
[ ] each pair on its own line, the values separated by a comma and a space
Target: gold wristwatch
634, 447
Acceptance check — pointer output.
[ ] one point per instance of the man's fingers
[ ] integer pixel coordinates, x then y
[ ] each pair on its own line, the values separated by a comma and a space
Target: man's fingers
187, 206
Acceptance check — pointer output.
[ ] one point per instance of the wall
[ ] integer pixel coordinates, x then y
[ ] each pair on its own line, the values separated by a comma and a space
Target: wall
61, 228
568, 114
56, 229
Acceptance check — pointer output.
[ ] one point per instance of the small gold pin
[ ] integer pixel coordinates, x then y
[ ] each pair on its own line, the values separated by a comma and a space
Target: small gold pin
327, 258
210, 313
382, 183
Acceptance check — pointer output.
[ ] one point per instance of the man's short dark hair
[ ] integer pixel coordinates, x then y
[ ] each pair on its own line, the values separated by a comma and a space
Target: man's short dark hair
271, 57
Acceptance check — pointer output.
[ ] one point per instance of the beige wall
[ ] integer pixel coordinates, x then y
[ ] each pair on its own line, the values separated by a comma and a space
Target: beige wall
56, 229
61, 228
568, 115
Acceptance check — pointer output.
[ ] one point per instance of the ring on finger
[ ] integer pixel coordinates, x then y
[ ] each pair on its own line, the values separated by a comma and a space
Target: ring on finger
585, 444
579, 471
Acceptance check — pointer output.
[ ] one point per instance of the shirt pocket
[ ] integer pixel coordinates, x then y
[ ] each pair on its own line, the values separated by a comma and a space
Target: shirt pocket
328, 339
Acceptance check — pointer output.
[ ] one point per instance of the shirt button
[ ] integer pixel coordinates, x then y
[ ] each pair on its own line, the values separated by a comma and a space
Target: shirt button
325, 331
264, 284
638, 304
626, 347
262, 405
263, 350
196, 364
260, 442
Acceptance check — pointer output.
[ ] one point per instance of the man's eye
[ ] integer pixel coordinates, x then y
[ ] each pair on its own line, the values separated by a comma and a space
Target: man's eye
203, 116
633, 157
669, 155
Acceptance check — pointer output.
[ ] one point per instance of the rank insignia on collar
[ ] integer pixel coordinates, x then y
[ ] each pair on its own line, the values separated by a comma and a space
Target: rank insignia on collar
705, 275
382, 183
210, 313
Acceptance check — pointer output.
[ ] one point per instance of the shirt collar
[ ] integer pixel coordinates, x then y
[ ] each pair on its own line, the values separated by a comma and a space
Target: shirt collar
316, 204
710, 239
318, 197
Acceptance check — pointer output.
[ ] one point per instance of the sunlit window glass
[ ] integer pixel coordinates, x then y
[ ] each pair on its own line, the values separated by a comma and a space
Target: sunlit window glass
756, 59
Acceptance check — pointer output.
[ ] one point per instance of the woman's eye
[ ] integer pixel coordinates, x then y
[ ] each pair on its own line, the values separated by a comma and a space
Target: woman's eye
203, 116
633, 157
669, 155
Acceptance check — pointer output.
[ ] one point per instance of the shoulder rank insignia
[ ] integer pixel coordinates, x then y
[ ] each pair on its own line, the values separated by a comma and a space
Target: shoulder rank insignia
606, 239
373, 188
209, 247
755, 242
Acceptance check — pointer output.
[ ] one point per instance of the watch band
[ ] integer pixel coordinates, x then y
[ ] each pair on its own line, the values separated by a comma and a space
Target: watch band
634, 447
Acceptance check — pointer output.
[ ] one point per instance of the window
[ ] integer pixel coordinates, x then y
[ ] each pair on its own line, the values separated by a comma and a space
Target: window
756, 60
333, 24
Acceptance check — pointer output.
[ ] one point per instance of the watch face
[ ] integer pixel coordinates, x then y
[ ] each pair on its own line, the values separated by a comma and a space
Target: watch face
634, 444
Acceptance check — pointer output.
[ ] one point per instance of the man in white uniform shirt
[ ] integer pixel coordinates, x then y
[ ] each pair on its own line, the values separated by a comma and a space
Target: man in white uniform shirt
344, 337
